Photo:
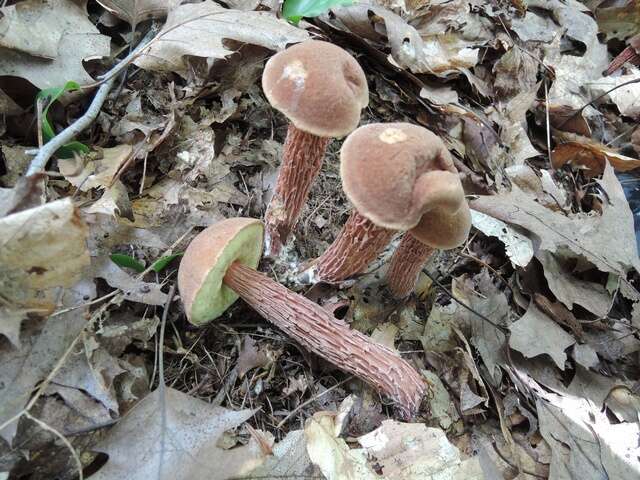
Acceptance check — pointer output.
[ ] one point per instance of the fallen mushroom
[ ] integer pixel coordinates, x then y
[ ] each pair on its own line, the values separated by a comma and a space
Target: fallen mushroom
321, 89
384, 169
630, 54
219, 266
445, 226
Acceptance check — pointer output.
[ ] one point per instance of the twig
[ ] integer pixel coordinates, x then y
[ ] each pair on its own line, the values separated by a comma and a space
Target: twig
82, 123
72, 131
312, 399
546, 108
452, 297
62, 438
161, 386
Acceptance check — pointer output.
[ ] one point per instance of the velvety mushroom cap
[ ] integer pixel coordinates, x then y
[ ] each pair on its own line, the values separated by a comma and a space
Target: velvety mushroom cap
205, 262
387, 169
318, 86
444, 231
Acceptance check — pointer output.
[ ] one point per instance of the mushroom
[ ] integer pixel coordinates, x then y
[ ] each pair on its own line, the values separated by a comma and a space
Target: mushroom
444, 226
630, 54
322, 90
219, 266
385, 174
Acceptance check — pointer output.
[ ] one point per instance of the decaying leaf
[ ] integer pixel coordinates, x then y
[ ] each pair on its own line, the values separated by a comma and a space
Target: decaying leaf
199, 30
40, 349
98, 172
170, 435
592, 157
41, 248
135, 11
536, 334
46, 42
607, 240
518, 247
133, 289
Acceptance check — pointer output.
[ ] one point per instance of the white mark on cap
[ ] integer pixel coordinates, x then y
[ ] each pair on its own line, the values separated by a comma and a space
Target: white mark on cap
295, 72
392, 135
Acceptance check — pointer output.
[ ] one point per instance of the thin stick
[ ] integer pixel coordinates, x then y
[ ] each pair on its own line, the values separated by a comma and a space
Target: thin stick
546, 108
82, 123
62, 438
161, 386
312, 399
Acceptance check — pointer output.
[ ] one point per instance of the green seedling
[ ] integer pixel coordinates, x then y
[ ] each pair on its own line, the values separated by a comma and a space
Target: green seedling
48, 96
129, 262
295, 10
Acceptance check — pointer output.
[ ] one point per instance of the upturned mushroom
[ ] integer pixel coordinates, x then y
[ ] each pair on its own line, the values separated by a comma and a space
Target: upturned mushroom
219, 266
385, 171
321, 89
444, 226
630, 54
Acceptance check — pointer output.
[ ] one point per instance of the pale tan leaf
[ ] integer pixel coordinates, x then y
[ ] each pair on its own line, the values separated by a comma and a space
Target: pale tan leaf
77, 40
134, 11
199, 30
172, 436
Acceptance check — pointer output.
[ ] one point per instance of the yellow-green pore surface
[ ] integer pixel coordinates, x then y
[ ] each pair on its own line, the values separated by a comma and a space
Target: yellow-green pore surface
205, 263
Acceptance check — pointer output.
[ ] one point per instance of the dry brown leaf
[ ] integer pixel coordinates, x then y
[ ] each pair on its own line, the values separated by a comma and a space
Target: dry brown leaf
134, 11
439, 54
606, 240
41, 248
170, 435
199, 30
78, 40
98, 172
593, 157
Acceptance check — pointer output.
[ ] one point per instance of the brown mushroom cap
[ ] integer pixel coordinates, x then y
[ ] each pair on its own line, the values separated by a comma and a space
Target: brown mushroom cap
387, 172
318, 86
441, 230
205, 262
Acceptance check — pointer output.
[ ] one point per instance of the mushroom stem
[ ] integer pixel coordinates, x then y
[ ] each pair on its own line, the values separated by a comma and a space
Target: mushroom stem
405, 265
629, 54
332, 339
301, 161
358, 243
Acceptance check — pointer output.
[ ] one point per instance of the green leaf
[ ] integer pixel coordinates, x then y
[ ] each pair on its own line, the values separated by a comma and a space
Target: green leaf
162, 262
50, 95
127, 261
294, 10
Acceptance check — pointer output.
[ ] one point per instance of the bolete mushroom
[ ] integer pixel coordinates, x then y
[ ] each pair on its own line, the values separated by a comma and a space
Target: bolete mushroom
630, 54
444, 226
322, 90
219, 266
385, 174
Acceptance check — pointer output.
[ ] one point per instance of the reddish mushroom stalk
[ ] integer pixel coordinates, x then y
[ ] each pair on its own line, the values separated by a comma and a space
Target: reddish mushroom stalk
301, 161
358, 244
630, 54
321, 89
316, 329
405, 265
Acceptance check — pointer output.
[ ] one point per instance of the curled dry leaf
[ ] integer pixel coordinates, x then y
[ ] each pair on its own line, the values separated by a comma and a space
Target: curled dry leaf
592, 157
98, 172
46, 42
199, 30
134, 11
170, 435
41, 248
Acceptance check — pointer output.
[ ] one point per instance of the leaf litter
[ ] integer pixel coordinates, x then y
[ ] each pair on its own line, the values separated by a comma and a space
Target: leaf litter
527, 335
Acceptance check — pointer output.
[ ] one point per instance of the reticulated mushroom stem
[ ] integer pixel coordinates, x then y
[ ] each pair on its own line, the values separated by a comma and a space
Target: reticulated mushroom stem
330, 338
629, 54
301, 161
358, 244
405, 265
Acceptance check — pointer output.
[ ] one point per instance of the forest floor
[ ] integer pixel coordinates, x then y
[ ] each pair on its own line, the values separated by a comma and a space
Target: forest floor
527, 335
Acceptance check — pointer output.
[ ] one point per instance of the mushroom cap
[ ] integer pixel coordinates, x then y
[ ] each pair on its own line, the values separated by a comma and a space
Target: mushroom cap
387, 172
205, 262
318, 86
445, 231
